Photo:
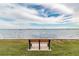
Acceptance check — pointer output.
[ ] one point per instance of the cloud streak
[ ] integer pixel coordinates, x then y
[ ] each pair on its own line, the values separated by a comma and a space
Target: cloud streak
18, 16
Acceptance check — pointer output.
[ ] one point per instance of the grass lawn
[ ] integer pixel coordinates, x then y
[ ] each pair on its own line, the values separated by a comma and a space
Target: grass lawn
20, 48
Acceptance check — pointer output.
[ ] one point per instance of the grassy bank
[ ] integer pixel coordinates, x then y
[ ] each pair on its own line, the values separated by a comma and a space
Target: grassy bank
20, 48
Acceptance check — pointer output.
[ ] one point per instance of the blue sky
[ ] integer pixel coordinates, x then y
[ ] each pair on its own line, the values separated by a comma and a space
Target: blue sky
38, 15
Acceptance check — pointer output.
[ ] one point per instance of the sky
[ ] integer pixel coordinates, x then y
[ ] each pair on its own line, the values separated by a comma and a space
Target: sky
39, 15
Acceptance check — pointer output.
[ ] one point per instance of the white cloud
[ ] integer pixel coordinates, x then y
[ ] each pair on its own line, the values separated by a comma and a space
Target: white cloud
21, 16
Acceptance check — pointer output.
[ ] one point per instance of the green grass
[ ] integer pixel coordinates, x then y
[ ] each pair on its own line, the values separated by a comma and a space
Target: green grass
20, 48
